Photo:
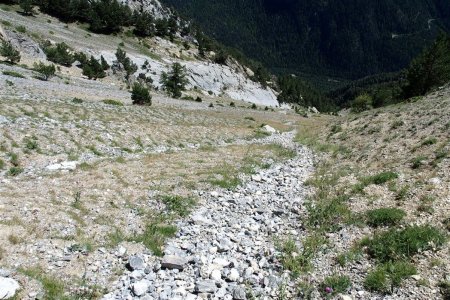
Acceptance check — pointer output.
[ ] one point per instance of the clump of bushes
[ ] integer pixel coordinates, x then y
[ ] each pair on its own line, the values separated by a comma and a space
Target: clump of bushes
384, 216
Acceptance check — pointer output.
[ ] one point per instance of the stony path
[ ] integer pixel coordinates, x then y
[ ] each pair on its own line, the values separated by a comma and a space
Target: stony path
226, 248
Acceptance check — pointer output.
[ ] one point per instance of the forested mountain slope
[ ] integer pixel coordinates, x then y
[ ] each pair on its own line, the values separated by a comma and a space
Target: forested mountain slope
342, 38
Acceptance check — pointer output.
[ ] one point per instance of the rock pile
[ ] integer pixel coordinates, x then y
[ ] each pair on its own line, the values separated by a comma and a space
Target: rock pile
227, 248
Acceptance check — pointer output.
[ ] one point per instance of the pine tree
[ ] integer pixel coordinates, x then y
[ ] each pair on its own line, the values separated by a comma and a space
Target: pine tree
105, 65
93, 69
175, 81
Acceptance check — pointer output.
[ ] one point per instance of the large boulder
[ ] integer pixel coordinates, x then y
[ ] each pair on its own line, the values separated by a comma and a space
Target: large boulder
8, 288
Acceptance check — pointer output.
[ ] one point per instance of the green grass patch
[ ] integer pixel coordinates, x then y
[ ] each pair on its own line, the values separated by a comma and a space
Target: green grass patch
334, 285
329, 214
429, 141
54, 289
31, 144
402, 244
388, 276
417, 162
112, 102
377, 179
155, 235
94, 150
14, 171
13, 74
226, 177
181, 206
384, 217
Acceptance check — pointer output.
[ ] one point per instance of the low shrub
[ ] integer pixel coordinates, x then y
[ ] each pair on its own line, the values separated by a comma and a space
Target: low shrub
384, 216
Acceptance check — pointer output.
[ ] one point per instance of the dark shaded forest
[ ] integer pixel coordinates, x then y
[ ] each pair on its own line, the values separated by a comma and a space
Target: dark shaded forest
341, 38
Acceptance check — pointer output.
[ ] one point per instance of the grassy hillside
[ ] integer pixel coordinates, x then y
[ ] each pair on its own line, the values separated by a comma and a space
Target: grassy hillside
379, 213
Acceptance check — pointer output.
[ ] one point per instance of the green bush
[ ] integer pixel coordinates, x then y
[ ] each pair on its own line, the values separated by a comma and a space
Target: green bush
362, 103
401, 244
45, 71
60, 54
8, 51
334, 285
384, 216
140, 95
387, 276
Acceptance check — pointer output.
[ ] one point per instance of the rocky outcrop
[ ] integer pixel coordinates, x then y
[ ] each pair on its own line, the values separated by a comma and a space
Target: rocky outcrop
24, 44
